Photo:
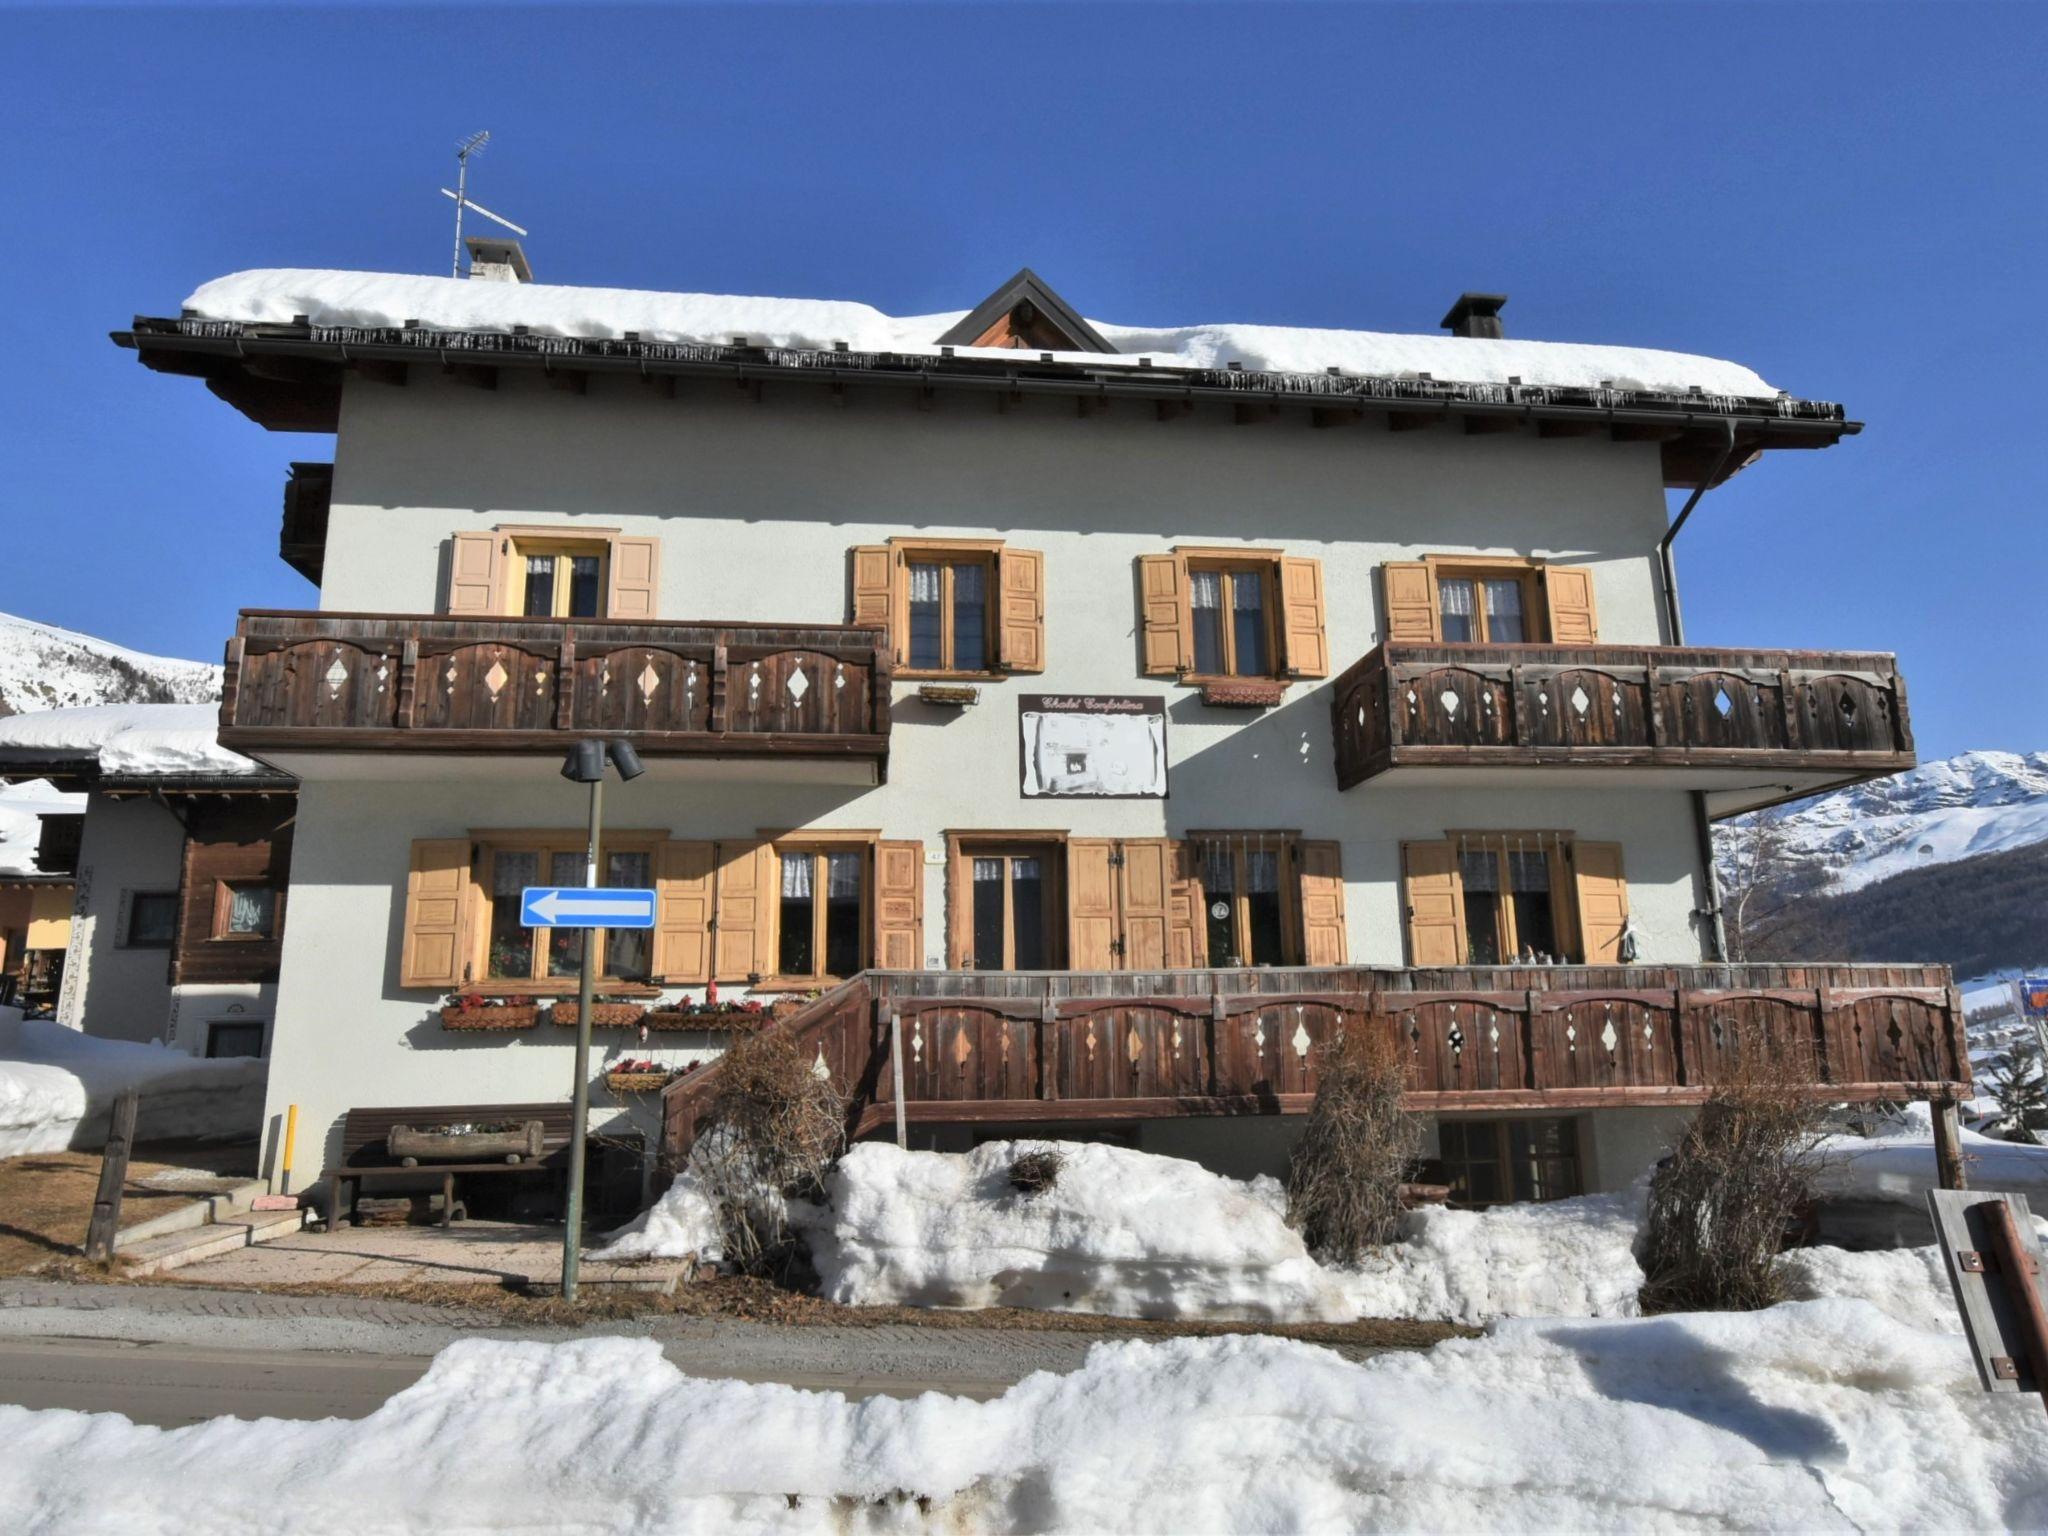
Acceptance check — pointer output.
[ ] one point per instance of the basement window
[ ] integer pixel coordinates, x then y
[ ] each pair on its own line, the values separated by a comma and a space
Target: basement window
1489, 1162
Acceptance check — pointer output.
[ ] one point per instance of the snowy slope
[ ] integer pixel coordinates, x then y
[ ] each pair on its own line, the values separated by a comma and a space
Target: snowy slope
384, 299
44, 667
1944, 812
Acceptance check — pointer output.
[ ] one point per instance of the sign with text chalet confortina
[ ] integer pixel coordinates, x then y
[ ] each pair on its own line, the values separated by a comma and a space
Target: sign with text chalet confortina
576, 906
1102, 746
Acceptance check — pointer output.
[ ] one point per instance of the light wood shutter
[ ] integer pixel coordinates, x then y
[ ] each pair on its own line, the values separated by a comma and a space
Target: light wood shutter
1322, 903
1603, 900
1568, 595
1432, 891
1091, 904
636, 579
1167, 624
1410, 593
1146, 889
1305, 650
474, 572
959, 909
1020, 600
899, 906
874, 588
431, 950
748, 888
1187, 935
684, 883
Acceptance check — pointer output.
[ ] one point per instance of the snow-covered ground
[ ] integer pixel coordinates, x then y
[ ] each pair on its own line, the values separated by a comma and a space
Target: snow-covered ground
22, 809
142, 739
385, 299
44, 667
1812, 1416
1897, 1164
58, 1086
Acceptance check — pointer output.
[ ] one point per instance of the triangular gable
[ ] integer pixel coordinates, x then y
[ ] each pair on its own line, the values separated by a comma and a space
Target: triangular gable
1024, 312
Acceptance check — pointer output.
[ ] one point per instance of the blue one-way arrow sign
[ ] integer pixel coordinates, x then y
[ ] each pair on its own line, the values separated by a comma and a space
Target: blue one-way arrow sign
575, 906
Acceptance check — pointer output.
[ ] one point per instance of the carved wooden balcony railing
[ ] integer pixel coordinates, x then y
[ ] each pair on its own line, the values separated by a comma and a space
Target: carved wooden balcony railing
340, 682
1036, 1047
1811, 712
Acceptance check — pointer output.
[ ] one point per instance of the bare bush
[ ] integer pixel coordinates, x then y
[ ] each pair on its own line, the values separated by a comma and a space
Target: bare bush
1344, 1180
1036, 1171
772, 1131
1722, 1205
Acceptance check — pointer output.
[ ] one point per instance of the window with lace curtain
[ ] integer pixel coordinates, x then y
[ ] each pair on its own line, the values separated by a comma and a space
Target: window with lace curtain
1245, 907
551, 959
1512, 887
247, 909
1231, 607
947, 608
820, 912
1485, 605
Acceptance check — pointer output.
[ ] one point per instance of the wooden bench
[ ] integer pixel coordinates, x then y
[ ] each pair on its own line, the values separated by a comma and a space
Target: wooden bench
363, 1155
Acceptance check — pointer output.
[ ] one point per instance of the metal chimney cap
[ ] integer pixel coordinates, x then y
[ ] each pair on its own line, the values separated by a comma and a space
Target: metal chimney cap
1476, 314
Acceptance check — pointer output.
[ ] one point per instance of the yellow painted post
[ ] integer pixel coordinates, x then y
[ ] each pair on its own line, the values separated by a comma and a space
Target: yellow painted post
291, 1135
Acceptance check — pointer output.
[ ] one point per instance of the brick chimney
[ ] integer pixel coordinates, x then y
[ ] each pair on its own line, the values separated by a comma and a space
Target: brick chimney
1476, 314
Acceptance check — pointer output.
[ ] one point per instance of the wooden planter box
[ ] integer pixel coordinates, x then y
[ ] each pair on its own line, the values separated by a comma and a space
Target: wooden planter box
636, 1082
519, 1016
738, 1020
602, 1015
412, 1147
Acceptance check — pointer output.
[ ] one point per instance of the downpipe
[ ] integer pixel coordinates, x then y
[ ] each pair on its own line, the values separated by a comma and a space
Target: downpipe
1703, 826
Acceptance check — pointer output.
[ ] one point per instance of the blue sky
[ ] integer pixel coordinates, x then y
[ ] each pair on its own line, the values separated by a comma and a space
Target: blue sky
1846, 198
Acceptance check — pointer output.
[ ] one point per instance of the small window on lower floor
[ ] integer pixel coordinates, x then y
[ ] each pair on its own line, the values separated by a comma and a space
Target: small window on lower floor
1243, 905
818, 921
236, 1038
152, 919
247, 910
1488, 1162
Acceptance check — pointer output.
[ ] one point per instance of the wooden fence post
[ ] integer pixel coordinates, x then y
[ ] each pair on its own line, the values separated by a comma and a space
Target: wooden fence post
896, 1075
106, 1204
1948, 1144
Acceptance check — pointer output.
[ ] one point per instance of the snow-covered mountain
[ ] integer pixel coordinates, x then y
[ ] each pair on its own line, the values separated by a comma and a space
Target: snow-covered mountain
44, 667
1944, 812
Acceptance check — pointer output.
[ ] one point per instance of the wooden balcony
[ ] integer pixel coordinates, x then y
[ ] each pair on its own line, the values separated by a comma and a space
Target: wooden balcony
1749, 727
300, 684
1036, 1047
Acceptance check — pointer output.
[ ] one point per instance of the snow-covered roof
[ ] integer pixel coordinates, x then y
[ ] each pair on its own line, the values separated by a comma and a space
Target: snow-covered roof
22, 809
381, 300
127, 741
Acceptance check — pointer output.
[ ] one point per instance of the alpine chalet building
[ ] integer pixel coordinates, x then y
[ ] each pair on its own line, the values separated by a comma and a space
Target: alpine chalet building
1087, 720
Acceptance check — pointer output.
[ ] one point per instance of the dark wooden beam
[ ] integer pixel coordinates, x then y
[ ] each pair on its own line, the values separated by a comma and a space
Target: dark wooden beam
1174, 410
1248, 413
1567, 428
1323, 416
569, 381
475, 376
378, 372
1413, 421
1481, 426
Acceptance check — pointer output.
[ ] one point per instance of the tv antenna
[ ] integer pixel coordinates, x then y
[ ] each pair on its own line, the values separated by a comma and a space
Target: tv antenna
473, 145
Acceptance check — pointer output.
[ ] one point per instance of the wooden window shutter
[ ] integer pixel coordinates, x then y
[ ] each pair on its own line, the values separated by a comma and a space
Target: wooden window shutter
1020, 600
1322, 903
684, 883
1410, 593
874, 588
899, 906
1167, 624
959, 909
1568, 595
474, 572
1091, 904
1603, 900
1436, 928
1304, 648
747, 891
636, 579
1146, 889
1187, 934
431, 950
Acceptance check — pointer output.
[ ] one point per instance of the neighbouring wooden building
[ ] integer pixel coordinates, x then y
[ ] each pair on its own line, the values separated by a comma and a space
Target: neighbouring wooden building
1107, 716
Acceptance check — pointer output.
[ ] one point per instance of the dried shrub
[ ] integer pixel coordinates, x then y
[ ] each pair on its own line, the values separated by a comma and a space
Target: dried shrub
1344, 1179
1738, 1182
772, 1131
1034, 1172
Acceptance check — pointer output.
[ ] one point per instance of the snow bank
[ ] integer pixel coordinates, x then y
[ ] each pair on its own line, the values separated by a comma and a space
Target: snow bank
57, 1089
1897, 1164
1811, 1416
683, 1223
383, 299
166, 739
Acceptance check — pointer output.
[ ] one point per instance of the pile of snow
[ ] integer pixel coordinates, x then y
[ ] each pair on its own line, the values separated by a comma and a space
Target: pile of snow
22, 809
1815, 1416
392, 300
682, 1224
44, 667
57, 1089
1897, 1163
167, 740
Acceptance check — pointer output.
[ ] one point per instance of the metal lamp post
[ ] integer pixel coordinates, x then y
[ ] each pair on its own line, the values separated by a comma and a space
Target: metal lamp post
585, 765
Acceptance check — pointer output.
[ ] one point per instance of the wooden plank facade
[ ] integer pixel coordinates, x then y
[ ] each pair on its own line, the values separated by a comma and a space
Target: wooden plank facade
1463, 705
1035, 1047
231, 841
347, 682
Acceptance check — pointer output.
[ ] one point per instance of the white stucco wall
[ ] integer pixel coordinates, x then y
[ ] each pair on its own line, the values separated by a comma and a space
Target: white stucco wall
110, 988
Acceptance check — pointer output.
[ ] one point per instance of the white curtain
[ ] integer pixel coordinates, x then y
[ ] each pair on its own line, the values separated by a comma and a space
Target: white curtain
249, 910
1261, 871
796, 877
1456, 599
987, 871
970, 584
1205, 589
924, 583
1247, 594
1529, 872
1504, 612
842, 877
